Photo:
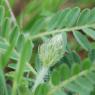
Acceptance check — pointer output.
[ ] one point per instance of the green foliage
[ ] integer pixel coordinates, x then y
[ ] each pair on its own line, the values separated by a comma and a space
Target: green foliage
82, 40
3, 86
53, 50
44, 43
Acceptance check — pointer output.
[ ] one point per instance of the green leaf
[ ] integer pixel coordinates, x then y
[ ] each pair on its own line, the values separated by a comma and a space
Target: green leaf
14, 66
23, 60
91, 77
71, 20
92, 16
42, 89
84, 17
65, 71
90, 32
82, 40
73, 87
75, 69
23, 88
6, 28
86, 64
71, 57
76, 57
65, 18
84, 83
1, 15
91, 55
37, 26
51, 5
55, 77
60, 92
64, 35
14, 35
3, 86
57, 20
20, 43
13, 41
3, 46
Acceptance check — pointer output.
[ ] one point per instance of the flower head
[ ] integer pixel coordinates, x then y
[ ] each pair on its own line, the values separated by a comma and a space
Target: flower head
52, 50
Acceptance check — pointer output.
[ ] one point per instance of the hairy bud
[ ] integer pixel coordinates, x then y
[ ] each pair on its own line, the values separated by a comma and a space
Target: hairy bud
52, 50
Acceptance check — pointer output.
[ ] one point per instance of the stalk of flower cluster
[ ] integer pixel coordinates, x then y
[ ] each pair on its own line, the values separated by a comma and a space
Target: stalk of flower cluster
40, 77
49, 52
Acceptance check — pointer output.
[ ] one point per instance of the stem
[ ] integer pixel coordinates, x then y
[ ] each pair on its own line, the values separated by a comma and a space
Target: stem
40, 77
28, 65
61, 30
3, 86
14, 92
31, 68
11, 12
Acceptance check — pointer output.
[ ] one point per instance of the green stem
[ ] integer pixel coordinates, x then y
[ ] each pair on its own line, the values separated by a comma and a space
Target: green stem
40, 77
32, 69
28, 65
61, 30
14, 92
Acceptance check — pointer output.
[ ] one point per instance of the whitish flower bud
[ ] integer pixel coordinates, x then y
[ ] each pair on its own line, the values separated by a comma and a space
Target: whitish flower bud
52, 50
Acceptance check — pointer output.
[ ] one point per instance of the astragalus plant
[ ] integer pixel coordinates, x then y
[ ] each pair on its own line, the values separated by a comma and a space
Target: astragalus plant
42, 61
